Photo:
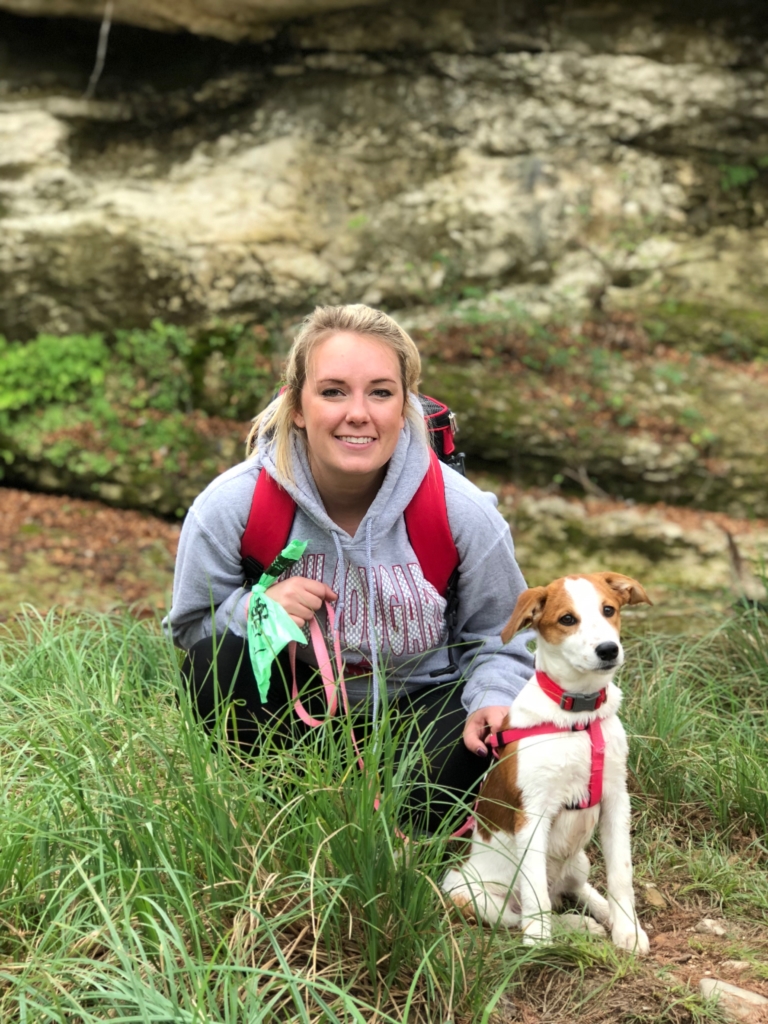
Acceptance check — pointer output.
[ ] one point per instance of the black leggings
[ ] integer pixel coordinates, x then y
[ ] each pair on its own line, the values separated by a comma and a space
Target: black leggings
220, 678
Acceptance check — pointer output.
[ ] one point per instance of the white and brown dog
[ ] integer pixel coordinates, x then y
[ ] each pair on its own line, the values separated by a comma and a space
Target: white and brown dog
561, 769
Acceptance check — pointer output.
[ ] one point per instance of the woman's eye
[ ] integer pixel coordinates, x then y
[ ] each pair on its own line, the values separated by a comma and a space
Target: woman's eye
331, 392
608, 611
382, 393
567, 620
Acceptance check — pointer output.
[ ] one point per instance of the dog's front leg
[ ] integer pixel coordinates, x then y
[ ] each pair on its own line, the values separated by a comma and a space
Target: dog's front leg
614, 837
535, 904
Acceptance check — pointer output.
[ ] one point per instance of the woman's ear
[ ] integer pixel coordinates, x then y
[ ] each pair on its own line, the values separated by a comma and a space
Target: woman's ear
298, 419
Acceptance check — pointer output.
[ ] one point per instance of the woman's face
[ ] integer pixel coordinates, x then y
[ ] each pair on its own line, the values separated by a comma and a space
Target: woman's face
352, 407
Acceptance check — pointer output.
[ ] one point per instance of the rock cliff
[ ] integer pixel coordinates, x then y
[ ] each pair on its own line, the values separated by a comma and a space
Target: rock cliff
590, 156
232, 20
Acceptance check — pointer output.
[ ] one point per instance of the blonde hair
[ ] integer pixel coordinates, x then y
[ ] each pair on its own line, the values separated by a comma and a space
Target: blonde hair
275, 423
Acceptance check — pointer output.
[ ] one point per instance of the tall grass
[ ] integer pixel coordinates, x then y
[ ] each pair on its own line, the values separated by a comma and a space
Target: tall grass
146, 875
698, 712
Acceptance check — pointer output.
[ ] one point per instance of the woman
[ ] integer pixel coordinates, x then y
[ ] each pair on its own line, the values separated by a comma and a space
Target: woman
347, 440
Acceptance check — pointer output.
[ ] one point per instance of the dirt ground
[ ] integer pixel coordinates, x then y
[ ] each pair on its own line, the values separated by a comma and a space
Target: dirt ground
61, 551
662, 987
64, 551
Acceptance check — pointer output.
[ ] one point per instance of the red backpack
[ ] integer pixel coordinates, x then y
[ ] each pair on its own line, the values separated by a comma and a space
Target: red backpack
426, 518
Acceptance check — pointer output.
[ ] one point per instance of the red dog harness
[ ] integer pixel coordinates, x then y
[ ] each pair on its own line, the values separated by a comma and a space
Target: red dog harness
569, 702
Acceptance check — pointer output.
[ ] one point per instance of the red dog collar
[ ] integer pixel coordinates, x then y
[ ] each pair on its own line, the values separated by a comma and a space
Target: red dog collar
570, 701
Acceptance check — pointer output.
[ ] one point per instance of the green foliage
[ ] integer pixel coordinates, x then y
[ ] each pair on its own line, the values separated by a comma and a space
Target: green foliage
150, 368
161, 368
90, 405
740, 176
50, 369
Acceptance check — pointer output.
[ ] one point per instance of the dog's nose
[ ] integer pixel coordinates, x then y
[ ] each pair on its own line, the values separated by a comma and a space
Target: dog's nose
607, 651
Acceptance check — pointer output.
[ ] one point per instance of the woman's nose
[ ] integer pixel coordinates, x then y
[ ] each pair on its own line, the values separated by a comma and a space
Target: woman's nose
358, 408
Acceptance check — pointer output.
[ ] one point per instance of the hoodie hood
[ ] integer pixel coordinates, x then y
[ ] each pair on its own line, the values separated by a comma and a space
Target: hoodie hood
406, 469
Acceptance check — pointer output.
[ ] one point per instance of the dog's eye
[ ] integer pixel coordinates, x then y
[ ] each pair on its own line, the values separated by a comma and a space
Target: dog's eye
608, 611
567, 619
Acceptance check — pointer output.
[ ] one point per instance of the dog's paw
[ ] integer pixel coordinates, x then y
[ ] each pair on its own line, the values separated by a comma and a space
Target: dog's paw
634, 940
575, 922
536, 931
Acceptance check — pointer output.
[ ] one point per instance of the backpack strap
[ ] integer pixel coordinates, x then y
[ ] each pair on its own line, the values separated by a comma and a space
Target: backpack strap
269, 524
426, 521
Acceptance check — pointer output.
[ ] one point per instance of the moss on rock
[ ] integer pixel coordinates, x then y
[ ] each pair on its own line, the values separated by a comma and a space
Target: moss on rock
676, 429
145, 419
736, 334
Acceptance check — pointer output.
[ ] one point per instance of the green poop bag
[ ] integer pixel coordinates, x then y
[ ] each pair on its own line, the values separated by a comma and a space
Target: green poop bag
270, 627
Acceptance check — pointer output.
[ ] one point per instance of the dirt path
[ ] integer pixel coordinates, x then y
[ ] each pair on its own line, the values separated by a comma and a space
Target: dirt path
65, 551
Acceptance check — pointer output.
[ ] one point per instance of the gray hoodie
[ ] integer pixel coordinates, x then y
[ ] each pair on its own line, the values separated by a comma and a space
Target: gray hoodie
377, 567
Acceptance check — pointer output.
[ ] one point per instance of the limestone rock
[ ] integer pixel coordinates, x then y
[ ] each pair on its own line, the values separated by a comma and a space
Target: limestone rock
654, 897
738, 1003
399, 180
683, 561
232, 20
709, 926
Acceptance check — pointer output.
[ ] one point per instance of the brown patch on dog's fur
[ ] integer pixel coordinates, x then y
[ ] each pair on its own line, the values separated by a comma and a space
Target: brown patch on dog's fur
527, 611
499, 806
543, 607
621, 588
559, 602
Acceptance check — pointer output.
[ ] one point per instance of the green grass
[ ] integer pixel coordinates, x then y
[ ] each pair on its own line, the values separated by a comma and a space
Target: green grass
147, 876
698, 710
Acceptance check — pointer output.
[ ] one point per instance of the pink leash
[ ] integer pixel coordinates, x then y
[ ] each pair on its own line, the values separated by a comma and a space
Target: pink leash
326, 674
326, 671
332, 688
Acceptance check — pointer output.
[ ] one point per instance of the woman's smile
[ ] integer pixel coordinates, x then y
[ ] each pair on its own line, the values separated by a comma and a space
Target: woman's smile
357, 440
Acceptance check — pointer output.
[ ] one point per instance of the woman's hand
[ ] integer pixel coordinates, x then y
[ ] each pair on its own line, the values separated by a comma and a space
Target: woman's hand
482, 722
300, 597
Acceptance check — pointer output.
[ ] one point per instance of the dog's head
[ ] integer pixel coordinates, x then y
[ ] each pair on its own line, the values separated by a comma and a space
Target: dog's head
578, 620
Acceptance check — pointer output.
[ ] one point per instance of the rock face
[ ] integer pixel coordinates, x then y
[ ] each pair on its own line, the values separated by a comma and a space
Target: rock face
232, 20
599, 159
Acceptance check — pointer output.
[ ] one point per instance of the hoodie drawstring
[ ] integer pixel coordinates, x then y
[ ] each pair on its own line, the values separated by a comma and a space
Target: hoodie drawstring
341, 604
372, 623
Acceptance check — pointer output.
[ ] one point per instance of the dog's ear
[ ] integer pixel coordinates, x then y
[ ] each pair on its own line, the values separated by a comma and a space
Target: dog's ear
527, 609
627, 590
